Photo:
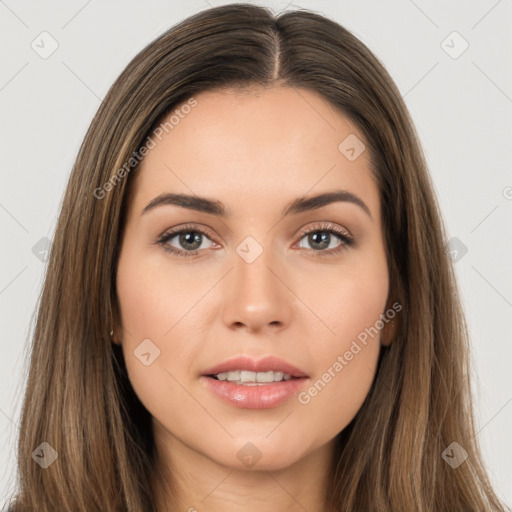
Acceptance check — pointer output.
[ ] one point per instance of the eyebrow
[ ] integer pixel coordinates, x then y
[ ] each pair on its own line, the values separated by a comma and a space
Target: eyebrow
213, 207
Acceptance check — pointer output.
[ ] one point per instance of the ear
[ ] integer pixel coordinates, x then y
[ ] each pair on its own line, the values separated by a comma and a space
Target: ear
390, 329
115, 337
117, 329
388, 333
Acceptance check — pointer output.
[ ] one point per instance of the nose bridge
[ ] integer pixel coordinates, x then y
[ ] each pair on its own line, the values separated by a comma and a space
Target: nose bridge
255, 296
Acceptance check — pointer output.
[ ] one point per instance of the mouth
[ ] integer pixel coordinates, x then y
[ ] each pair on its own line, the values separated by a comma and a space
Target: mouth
245, 370
254, 384
248, 378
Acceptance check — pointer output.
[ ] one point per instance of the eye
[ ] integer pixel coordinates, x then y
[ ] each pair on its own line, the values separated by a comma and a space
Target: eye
191, 239
320, 237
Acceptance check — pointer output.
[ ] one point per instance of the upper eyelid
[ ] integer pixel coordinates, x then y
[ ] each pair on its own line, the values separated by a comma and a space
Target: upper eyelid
346, 239
171, 232
324, 225
317, 226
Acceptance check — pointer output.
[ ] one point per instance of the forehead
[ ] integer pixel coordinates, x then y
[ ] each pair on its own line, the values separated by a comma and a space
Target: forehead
256, 147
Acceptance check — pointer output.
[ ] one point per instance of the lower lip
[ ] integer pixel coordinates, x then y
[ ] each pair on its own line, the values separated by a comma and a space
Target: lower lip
255, 397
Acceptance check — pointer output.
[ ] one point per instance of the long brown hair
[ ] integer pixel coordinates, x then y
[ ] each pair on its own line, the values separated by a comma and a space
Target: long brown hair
78, 397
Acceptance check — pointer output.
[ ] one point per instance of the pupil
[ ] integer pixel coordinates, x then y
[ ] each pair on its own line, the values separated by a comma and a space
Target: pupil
323, 237
191, 237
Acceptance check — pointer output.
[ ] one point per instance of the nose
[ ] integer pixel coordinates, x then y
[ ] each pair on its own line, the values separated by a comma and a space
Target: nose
256, 297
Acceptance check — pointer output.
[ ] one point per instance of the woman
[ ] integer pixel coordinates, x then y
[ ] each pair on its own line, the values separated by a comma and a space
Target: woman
308, 351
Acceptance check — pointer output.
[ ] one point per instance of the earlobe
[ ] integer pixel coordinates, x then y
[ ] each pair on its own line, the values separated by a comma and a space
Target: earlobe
390, 330
115, 337
116, 328
391, 320
388, 333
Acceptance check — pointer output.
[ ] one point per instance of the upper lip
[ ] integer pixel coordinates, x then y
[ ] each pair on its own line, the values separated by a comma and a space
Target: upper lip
265, 364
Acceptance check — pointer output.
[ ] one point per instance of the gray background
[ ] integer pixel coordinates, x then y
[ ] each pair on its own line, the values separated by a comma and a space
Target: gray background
461, 106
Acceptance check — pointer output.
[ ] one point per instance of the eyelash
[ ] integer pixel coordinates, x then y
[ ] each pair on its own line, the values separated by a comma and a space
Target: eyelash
346, 240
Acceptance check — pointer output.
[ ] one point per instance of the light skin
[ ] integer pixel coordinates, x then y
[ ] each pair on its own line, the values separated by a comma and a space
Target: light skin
255, 151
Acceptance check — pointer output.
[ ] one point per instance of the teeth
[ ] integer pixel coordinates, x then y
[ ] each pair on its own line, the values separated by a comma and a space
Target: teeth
252, 378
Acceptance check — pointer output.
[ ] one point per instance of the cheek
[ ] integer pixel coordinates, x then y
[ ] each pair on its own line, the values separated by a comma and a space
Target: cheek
335, 396
152, 299
154, 306
345, 372
346, 355
354, 308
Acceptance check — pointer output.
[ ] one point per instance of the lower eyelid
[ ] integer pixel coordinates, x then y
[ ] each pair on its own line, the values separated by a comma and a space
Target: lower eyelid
166, 238
345, 240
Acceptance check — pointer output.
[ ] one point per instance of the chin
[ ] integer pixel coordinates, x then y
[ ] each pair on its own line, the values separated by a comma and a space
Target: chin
257, 453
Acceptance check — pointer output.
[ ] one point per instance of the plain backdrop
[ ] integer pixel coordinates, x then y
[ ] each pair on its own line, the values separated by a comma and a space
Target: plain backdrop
451, 62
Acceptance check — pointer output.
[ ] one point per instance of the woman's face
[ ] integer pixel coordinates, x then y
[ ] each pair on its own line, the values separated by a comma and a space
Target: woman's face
306, 285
